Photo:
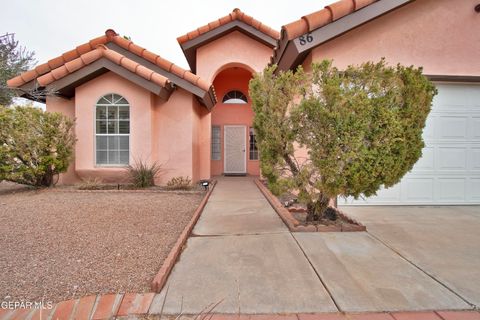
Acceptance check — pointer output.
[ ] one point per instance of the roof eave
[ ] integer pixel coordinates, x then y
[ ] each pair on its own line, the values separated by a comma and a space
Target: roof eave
66, 86
292, 53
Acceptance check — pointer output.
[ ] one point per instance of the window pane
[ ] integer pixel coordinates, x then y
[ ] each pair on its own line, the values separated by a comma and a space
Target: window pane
124, 143
102, 157
112, 143
112, 113
122, 101
102, 127
235, 97
113, 157
101, 112
216, 147
112, 120
124, 157
112, 127
123, 112
103, 100
102, 143
124, 127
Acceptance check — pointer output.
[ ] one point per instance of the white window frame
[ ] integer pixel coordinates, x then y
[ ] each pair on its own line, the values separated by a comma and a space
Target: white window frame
103, 165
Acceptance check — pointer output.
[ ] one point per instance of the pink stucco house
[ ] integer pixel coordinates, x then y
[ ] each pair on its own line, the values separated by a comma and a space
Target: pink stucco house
130, 103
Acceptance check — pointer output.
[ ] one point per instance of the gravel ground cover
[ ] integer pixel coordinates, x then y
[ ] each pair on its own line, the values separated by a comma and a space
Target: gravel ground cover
62, 245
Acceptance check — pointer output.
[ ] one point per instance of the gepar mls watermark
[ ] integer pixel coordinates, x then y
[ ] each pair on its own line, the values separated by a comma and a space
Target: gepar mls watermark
13, 305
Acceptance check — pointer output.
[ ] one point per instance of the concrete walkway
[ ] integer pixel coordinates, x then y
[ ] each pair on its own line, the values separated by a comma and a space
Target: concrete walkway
243, 257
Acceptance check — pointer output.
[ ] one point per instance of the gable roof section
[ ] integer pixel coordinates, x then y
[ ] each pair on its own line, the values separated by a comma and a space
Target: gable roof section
236, 20
324, 25
115, 53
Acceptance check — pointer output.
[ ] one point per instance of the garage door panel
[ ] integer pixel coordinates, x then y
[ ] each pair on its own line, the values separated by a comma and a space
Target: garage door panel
474, 190
475, 128
457, 95
418, 189
474, 159
451, 189
450, 127
452, 158
449, 170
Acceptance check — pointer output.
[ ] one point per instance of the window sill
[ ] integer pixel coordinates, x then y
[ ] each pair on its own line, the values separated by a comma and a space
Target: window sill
113, 166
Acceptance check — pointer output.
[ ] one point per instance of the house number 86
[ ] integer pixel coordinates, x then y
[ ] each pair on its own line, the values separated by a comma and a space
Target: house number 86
305, 39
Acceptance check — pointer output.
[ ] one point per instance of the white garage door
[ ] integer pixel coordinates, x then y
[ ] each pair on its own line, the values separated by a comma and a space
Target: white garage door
449, 170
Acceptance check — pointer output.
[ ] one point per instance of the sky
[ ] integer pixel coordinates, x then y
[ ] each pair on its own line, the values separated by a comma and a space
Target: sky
52, 27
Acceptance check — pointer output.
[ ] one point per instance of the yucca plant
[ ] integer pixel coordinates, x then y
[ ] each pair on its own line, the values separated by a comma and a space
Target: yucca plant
143, 174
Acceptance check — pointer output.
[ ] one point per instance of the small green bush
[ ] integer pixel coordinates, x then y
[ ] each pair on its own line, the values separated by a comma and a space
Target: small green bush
180, 183
143, 174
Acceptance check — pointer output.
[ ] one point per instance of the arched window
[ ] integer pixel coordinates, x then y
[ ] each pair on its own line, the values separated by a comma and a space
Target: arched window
112, 130
234, 97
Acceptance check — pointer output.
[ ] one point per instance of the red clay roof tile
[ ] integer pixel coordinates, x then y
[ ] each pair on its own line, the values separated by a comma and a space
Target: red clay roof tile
42, 68
73, 65
70, 55
55, 62
318, 19
150, 56
91, 56
95, 42
323, 17
15, 82
159, 61
91, 51
144, 72
110, 33
96, 54
236, 14
83, 48
46, 79
60, 72
29, 75
136, 49
340, 9
163, 63
178, 71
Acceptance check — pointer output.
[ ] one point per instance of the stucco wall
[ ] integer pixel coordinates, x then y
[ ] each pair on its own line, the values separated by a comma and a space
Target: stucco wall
440, 35
177, 137
201, 134
232, 49
66, 107
86, 97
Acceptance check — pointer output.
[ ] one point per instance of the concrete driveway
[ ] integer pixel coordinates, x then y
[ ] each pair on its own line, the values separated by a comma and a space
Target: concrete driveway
241, 255
443, 241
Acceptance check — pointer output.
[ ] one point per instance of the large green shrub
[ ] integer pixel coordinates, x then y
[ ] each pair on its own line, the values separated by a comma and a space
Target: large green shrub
35, 145
361, 129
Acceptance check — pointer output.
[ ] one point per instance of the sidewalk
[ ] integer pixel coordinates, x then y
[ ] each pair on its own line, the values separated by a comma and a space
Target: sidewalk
243, 257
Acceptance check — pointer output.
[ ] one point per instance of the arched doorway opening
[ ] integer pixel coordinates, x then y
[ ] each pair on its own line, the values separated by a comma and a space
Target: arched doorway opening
234, 149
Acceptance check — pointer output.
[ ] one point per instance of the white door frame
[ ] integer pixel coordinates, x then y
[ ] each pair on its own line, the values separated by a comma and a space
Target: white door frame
225, 148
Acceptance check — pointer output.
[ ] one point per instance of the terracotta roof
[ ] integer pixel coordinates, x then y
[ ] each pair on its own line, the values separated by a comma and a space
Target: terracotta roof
94, 55
236, 14
92, 50
322, 17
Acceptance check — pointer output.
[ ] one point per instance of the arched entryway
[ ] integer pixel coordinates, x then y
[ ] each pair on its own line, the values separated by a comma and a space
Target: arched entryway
234, 150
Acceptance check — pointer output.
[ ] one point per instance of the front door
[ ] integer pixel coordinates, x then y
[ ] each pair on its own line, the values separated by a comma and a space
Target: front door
235, 138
